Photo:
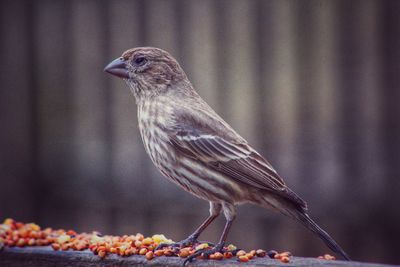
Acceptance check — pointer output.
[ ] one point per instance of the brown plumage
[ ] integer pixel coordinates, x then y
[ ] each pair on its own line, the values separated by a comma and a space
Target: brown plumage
196, 149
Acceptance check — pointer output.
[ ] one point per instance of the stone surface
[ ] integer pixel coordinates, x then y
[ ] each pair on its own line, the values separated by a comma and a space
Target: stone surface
46, 256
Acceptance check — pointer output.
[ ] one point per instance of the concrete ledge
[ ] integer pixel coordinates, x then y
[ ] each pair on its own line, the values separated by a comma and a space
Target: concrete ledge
46, 256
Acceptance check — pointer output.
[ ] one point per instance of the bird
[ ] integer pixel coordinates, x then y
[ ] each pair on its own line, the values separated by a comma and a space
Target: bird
192, 146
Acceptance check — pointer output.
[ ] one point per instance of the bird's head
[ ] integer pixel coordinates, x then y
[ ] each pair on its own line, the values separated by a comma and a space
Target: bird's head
147, 70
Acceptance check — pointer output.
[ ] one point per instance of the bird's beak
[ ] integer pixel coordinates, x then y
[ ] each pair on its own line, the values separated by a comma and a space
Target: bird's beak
117, 67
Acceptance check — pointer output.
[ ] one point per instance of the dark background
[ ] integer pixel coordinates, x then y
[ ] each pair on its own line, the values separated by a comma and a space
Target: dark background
313, 85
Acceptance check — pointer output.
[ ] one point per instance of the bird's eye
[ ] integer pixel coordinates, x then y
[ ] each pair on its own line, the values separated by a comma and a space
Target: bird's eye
139, 61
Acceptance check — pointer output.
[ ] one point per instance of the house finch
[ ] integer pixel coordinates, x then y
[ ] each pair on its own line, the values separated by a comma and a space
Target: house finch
196, 149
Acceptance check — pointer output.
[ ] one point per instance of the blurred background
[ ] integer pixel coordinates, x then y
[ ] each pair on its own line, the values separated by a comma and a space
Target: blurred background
313, 85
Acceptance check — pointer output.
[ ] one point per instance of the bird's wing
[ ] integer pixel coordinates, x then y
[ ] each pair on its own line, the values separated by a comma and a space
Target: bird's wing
234, 160
213, 142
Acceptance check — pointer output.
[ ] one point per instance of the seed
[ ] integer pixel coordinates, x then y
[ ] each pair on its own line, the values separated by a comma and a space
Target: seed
184, 253
9, 221
130, 238
139, 236
202, 246
149, 255
102, 254
285, 259
218, 256
34, 234
71, 232
231, 247
228, 255
138, 243
243, 259
23, 233
147, 241
261, 253
249, 255
34, 226
79, 247
240, 253
168, 252
121, 250
128, 252
159, 252
286, 254
21, 242
272, 253
329, 257
55, 246
142, 251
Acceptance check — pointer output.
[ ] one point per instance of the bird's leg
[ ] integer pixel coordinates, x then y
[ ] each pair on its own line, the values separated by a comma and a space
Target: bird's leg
215, 210
217, 248
230, 214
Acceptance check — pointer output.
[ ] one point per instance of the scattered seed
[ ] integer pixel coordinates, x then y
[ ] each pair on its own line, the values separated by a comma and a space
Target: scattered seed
138, 243
149, 255
285, 254
142, 251
243, 258
228, 255
202, 246
55, 246
147, 241
272, 253
159, 252
285, 259
249, 255
231, 247
102, 254
240, 253
184, 253
329, 257
139, 236
218, 256
14, 233
261, 253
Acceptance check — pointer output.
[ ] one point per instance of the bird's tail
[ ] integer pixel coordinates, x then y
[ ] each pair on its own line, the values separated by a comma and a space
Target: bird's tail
297, 210
312, 226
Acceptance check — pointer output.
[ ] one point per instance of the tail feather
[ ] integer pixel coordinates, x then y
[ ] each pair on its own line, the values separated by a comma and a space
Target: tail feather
311, 225
293, 206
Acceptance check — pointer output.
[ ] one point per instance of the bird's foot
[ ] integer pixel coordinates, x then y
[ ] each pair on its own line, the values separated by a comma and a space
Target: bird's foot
205, 253
190, 241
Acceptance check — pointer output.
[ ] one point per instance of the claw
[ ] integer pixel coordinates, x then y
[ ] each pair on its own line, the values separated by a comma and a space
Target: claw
209, 243
181, 244
163, 245
205, 252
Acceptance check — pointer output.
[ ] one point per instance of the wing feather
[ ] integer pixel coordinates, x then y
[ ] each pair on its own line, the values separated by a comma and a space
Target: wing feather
239, 161
216, 144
